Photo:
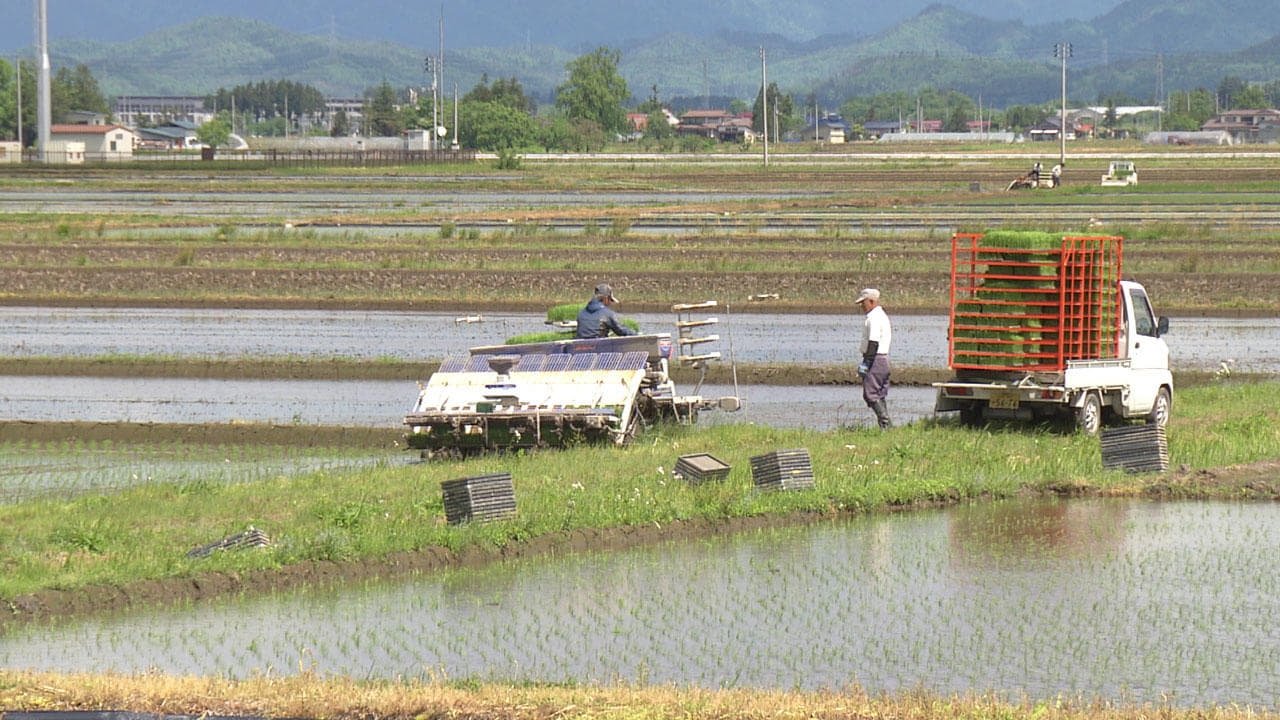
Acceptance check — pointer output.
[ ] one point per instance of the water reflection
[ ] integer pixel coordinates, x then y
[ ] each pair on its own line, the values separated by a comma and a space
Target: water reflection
1124, 600
1005, 534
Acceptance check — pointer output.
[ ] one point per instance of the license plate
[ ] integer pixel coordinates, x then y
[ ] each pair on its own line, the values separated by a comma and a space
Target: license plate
1004, 400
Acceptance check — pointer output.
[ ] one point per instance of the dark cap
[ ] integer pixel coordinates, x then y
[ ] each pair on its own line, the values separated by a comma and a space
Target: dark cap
605, 290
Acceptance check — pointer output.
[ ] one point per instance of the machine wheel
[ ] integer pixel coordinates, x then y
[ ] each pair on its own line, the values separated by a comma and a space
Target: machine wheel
971, 415
1161, 408
1089, 415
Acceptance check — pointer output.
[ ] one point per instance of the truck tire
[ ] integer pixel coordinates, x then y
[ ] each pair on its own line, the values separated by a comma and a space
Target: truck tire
971, 415
1161, 408
1089, 415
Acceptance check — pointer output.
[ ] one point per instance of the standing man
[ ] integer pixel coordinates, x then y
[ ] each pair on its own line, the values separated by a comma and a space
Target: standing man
1056, 175
877, 335
598, 319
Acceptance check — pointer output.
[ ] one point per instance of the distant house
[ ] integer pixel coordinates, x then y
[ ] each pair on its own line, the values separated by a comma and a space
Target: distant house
879, 128
925, 126
1247, 126
1050, 129
827, 128
736, 129
174, 135
705, 123
101, 142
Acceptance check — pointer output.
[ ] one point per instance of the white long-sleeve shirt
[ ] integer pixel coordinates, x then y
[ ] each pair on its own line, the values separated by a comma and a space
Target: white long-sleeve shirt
876, 327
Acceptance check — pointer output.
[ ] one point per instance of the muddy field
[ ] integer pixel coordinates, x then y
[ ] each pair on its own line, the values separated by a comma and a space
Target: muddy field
1200, 229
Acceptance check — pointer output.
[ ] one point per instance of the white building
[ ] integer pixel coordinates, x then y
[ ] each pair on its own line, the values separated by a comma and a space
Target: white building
101, 142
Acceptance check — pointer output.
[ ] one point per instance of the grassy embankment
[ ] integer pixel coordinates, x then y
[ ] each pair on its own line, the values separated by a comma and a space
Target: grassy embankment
143, 533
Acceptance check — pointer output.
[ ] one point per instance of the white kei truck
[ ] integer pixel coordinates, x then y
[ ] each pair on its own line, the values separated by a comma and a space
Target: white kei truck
1042, 326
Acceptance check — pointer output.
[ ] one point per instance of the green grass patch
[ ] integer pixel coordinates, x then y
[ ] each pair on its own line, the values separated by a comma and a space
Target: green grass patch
144, 532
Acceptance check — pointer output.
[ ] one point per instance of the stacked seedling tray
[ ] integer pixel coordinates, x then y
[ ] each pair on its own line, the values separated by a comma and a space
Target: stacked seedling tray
480, 498
782, 470
700, 467
1135, 448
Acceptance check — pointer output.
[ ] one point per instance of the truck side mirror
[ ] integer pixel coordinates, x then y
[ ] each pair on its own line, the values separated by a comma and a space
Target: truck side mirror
1162, 326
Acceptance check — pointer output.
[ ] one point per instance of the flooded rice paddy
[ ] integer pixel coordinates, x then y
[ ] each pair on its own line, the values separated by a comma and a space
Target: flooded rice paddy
1250, 344
1125, 600
376, 403
52, 469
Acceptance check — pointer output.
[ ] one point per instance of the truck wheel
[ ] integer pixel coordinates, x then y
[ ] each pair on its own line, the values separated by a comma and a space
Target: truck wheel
971, 415
1161, 408
1089, 415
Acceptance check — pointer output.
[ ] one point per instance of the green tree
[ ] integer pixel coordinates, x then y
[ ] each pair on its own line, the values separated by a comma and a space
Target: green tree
216, 132
1109, 117
341, 124
595, 91
781, 108
1021, 117
651, 103
1228, 89
1251, 98
657, 127
383, 117
268, 99
556, 134
76, 89
1189, 111
504, 92
8, 101
495, 126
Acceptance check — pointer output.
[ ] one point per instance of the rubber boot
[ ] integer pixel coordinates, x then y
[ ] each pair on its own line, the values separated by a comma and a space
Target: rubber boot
881, 409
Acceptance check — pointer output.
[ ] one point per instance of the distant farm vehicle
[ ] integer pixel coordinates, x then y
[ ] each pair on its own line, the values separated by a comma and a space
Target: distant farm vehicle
1030, 181
1120, 173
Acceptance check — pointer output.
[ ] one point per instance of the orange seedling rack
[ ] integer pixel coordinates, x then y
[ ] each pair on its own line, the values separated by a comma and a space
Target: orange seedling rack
1033, 308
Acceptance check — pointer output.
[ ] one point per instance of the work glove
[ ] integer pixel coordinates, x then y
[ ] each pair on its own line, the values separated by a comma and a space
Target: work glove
864, 367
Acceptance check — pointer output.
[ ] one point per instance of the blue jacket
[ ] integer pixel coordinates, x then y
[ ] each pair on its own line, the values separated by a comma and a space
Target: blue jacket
597, 320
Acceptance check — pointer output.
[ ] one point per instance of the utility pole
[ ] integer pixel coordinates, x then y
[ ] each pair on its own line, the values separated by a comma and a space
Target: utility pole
18, 71
764, 103
1062, 51
1160, 91
44, 101
436, 130
431, 65
455, 116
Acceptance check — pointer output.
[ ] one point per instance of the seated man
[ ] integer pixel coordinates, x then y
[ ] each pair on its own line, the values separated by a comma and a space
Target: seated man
598, 319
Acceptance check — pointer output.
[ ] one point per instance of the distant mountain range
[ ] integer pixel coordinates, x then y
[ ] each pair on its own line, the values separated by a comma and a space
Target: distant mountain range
1136, 48
572, 25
